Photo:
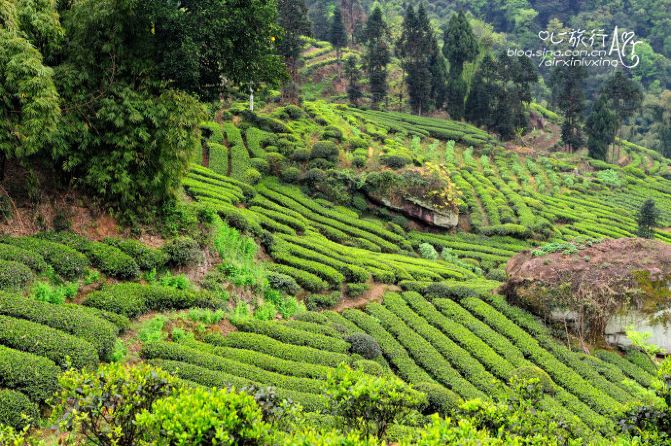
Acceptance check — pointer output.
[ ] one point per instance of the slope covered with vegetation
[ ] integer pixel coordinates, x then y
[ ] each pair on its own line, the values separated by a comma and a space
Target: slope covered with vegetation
190, 256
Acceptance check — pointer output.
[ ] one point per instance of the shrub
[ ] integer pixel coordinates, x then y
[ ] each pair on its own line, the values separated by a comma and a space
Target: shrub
14, 406
5, 208
533, 372
14, 275
282, 282
252, 175
327, 150
62, 348
260, 164
132, 299
32, 375
73, 319
290, 335
332, 132
182, 251
370, 404
427, 251
365, 345
201, 416
270, 346
146, 258
290, 174
103, 404
300, 155
356, 289
394, 161
359, 161
440, 400
29, 258
322, 301
66, 261
113, 262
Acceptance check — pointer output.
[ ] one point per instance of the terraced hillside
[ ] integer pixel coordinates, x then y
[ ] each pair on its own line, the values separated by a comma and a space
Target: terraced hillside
417, 301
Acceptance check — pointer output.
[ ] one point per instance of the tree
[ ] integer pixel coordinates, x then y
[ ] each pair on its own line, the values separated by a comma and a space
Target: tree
353, 16
460, 46
353, 75
370, 404
200, 416
438, 70
292, 17
377, 56
129, 79
415, 50
500, 90
624, 96
337, 35
319, 17
29, 104
102, 405
601, 127
568, 94
647, 219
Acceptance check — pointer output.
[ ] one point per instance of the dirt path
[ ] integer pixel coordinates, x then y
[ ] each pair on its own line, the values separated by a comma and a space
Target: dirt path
374, 294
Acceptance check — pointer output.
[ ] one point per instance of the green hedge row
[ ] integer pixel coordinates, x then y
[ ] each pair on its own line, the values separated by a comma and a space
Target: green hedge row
293, 336
460, 359
562, 374
313, 327
205, 173
108, 259
316, 213
274, 364
146, 258
511, 353
14, 406
393, 351
494, 362
72, 319
498, 343
273, 347
282, 253
176, 352
211, 378
424, 353
29, 258
35, 376
133, 299
66, 261
14, 275
590, 371
305, 279
62, 348
630, 369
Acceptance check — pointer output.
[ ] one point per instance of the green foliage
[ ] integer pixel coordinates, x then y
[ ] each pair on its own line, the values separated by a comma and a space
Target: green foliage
103, 404
14, 275
66, 261
34, 376
132, 299
146, 258
364, 345
427, 251
377, 55
201, 416
30, 106
29, 258
647, 219
322, 301
16, 410
182, 251
370, 404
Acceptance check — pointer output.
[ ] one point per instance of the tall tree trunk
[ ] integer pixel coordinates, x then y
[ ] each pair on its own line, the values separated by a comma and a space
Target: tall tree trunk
3, 161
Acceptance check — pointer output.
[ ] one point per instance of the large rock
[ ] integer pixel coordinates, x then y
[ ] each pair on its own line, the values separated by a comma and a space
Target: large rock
588, 287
